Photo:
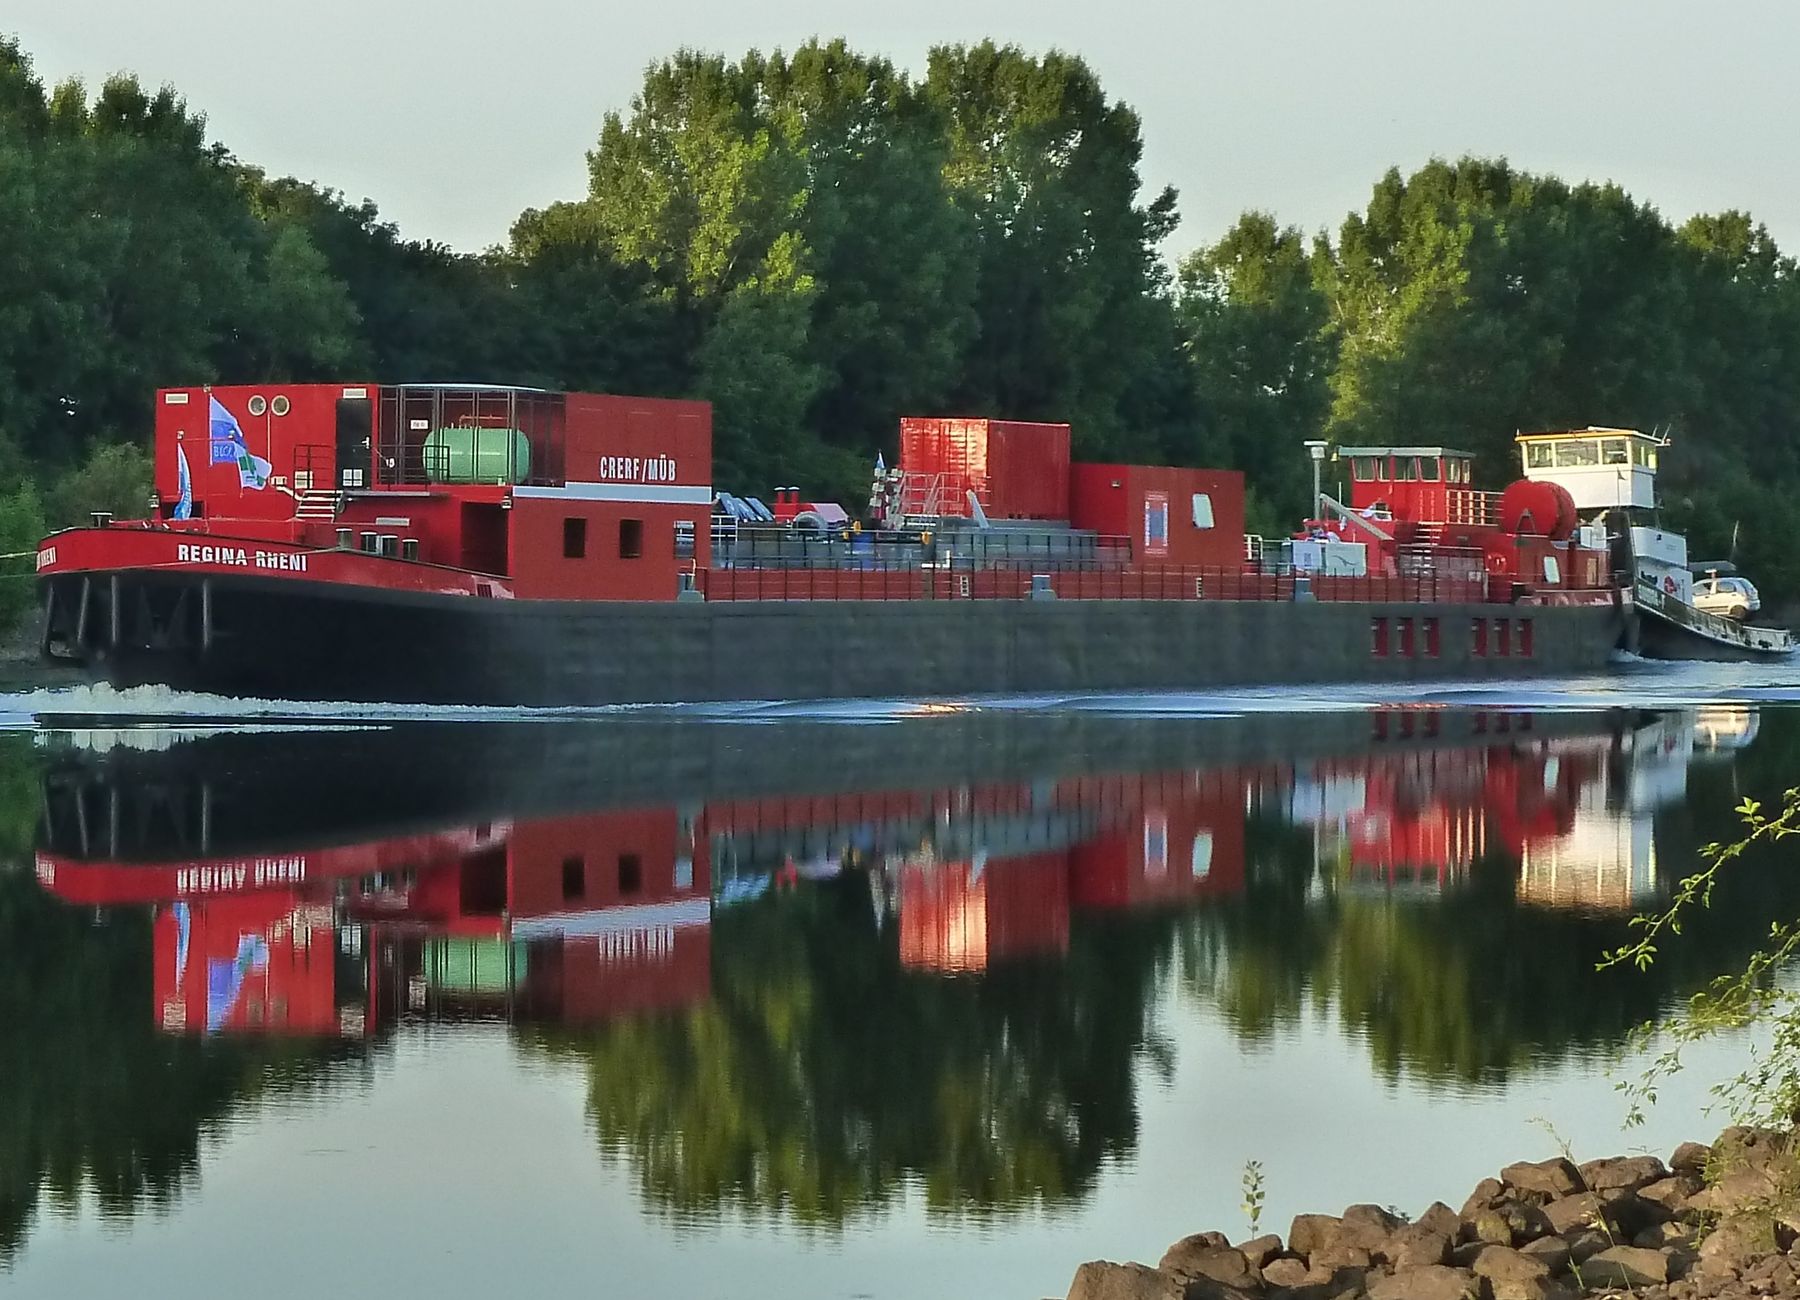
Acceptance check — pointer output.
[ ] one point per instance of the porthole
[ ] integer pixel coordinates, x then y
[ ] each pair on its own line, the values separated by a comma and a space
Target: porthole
279, 406
258, 404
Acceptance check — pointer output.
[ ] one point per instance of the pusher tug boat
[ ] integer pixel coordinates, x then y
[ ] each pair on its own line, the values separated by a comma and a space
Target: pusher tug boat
1610, 475
458, 543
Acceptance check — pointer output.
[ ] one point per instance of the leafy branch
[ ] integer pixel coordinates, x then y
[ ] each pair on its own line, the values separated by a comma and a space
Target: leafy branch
1770, 1086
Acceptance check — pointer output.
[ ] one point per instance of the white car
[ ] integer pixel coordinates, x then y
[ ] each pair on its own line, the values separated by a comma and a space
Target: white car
1732, 597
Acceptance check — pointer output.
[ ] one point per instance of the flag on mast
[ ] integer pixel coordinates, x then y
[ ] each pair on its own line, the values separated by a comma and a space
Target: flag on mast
184, 501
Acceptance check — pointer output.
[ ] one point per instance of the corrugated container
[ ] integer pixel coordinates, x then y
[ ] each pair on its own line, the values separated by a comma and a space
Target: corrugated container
1017, 470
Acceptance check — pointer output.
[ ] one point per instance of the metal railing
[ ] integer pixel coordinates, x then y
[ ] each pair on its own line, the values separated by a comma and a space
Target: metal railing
1172, 582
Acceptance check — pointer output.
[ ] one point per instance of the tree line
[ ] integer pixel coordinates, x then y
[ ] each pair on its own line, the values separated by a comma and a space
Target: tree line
819, 242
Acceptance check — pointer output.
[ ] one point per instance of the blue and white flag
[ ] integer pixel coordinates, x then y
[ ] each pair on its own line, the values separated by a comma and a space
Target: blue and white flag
184, 500
880, 463
229, 444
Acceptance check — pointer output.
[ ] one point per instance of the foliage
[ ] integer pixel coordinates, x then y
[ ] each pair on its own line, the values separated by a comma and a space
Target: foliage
1257, 333
21, 525
822, 1078
1253, 1194
1754, 996
819, 243
115, 477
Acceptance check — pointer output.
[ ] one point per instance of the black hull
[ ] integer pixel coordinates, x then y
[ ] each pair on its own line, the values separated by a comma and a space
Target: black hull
1660, 638
288, 639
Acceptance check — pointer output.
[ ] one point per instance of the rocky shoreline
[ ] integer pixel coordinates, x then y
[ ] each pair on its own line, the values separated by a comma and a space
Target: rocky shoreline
1712, 1223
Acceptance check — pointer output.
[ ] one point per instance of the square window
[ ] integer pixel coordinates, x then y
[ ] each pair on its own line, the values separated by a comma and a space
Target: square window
631, 539
574, 538
1203, 510
574, 878
631, 873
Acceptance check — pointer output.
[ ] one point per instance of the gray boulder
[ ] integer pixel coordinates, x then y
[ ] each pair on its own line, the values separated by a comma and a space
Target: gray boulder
1434, 1282
1103, 1280
1573, 1213
1439, 1217
1690, 1158
1584, 1245
1551, 1178
1366, 1226
1622, 1173
1308, 1232
1737, 1239
1504, 1264
1285, 1273
1414, 1246
1552, 1252
1198, 1256
1671, 1194
1488, 1193
1260, 1250
1625, 1266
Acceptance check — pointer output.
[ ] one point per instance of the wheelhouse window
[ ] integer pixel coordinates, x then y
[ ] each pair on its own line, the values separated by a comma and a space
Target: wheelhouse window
574, 538
1613, 451
1362, 469
631, 539
1406, 469
1643, 454
1428, 469
1540, 455
1577, 453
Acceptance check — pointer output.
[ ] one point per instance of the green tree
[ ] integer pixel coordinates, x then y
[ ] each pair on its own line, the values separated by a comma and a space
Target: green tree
1075, 321
1256, 330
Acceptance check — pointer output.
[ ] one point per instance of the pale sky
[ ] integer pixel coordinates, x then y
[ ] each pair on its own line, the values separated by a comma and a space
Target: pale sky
453, 115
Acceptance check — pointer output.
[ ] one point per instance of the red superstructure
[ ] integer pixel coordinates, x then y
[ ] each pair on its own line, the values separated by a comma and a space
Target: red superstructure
444, 489
1416, 506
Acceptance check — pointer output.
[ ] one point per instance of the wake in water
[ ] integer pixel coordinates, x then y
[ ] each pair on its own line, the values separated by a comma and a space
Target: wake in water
1634, 683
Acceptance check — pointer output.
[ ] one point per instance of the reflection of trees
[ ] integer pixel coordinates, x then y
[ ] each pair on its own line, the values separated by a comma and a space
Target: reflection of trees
92, 1097
1468, 985
822, 1078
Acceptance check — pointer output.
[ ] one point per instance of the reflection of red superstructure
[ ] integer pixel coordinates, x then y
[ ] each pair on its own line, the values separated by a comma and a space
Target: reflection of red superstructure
960, 916
1424, 816
260, 963
1174, 838
1144, 841
573, 918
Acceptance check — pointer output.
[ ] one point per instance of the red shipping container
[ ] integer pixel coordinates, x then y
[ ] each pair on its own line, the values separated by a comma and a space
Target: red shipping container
1017, 470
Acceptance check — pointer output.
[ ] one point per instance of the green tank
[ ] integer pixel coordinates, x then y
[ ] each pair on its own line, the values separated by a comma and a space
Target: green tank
458, 454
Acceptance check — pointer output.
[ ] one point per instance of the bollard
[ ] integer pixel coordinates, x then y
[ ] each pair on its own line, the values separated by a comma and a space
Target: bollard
1041, 588
686, 591
1303, 587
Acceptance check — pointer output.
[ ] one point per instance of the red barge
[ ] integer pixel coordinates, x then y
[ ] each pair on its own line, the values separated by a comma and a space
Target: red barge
508, 546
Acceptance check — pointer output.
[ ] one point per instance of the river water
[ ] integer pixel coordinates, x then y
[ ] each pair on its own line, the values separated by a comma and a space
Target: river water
882, 1000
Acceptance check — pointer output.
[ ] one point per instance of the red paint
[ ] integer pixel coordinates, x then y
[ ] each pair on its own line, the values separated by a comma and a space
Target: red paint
1124, 501
188, 549
264, 964
607, 569
1017, 470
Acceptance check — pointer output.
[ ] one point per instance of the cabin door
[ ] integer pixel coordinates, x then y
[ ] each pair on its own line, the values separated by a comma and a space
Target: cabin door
355, 441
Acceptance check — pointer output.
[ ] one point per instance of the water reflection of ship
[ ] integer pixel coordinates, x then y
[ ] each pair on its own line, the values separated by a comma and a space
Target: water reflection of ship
578, 916
1576, 812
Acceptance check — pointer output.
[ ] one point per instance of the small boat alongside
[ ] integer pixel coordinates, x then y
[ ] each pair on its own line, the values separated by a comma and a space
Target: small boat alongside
1610, 474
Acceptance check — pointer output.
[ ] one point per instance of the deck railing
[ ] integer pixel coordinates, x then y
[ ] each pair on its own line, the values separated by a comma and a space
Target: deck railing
1174, 582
